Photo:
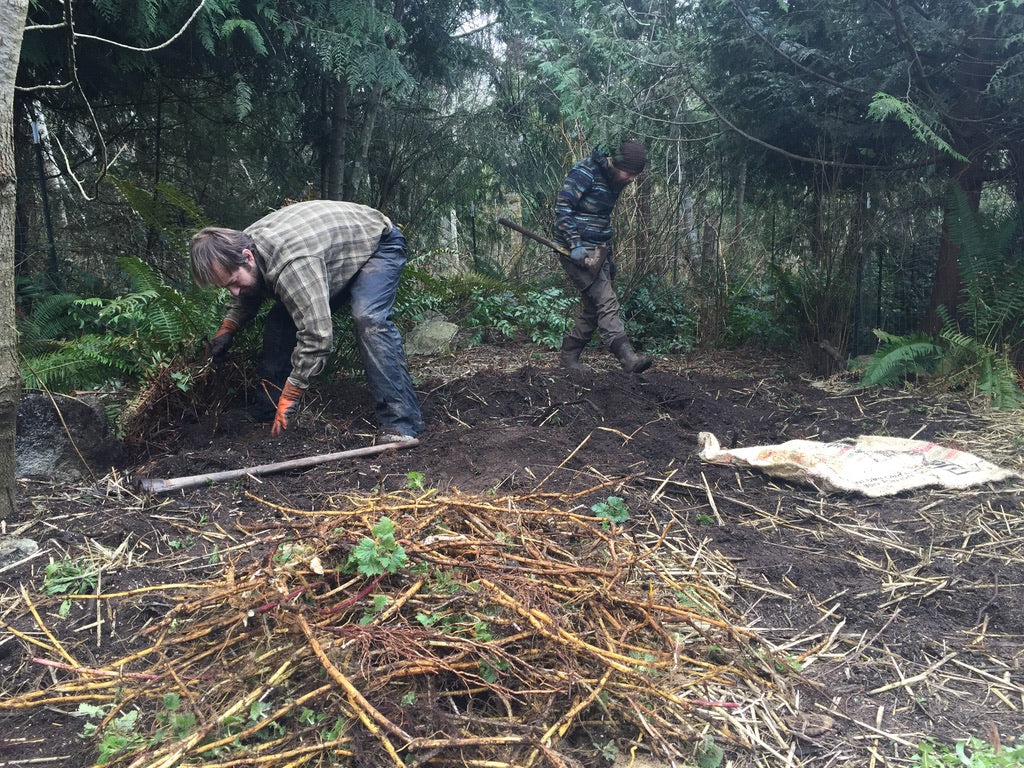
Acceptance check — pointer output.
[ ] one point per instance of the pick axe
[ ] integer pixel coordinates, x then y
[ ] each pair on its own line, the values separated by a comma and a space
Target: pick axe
595, 256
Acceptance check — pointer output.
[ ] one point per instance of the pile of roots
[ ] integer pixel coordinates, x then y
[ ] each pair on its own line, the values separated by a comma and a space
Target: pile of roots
516, 631
177, 391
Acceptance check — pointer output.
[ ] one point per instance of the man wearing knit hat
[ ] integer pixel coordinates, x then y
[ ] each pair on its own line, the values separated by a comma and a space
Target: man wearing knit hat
583, 227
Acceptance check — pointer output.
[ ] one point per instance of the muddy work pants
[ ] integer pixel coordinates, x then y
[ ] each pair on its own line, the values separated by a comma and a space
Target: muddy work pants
600, 308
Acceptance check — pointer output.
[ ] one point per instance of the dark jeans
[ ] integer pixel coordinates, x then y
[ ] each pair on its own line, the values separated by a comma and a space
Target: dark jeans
371, 298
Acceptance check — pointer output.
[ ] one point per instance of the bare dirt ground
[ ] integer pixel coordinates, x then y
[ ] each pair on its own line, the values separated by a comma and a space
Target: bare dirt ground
888, 620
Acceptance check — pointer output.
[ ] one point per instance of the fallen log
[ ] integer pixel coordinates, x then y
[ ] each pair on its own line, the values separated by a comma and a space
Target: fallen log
156, 485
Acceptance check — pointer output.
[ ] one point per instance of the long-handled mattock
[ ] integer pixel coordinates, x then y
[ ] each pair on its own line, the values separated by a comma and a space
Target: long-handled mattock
534, 236
595, 257
192, 481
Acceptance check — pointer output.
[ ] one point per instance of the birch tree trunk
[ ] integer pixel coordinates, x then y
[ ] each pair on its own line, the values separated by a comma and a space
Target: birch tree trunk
12, 27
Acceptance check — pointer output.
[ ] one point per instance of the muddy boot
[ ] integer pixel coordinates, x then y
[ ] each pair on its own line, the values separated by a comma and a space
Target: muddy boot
630, 361
569, 357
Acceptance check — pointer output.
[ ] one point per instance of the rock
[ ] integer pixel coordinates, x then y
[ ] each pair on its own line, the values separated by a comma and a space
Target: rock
47, 438
431, 337
14, 549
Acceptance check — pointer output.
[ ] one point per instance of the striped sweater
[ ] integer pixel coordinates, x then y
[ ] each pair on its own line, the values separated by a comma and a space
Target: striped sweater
584, 206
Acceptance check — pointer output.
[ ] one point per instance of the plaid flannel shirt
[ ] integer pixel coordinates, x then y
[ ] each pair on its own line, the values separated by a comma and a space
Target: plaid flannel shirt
306, 254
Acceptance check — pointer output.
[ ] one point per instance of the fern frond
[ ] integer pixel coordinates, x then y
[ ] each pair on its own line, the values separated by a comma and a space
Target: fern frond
52, 317
163, 210
900, 356
969, 363
248, 30
998, 382
992, 269
243, 98
90, 360
169, 316
71, 342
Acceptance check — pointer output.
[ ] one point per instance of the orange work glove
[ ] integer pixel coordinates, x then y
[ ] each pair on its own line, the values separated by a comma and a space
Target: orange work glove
287, 405
217, 348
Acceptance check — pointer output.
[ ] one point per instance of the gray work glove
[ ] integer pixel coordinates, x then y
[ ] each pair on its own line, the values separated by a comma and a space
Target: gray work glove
578, 255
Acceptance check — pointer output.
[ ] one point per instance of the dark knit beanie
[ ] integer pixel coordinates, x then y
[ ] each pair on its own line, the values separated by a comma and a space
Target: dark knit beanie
631, 156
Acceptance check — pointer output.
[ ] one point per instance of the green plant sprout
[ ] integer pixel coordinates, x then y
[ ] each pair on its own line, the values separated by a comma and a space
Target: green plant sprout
691, 599
709, 754
788, 665
612, 512
970, 753
608, 751
186, 543
182, 380
179, 724
292, 553
416, 481
491, 669
335, 731
308, 717
443, 582
73, 577
118, 737
381, 554
380, 602
482, 632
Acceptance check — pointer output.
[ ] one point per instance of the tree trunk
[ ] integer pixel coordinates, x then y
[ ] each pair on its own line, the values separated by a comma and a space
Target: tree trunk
23, 251
362, 163
339, 140
641, 236
735, 247
948, 283
360, 168
713, 291
12, 27
153, 235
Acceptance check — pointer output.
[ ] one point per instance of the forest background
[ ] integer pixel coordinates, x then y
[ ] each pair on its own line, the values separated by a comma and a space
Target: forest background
844, 176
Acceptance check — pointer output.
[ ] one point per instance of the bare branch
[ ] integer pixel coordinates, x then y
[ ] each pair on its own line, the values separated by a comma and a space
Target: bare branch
164, 44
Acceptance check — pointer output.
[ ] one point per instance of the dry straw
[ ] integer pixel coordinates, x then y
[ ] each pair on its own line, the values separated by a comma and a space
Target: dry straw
520, 629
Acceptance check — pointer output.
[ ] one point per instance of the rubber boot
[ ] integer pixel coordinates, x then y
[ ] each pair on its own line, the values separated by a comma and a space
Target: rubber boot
630, 361
569, 356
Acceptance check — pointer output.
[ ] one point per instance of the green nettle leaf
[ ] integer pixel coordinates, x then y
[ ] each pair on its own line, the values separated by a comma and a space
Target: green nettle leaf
365, 556
614, 510
91, 711
709, 754
381, 554
974, 752
258, 710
